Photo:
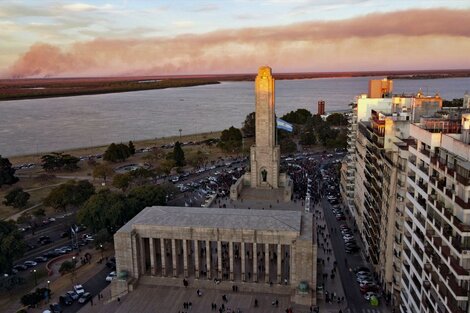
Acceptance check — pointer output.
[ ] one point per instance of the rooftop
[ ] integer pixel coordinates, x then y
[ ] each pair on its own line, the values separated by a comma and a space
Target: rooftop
267, 220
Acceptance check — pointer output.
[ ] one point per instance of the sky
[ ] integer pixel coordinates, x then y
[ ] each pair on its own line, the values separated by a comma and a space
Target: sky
51, 38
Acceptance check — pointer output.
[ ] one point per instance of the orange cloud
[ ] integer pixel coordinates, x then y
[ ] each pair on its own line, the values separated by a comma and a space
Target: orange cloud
413, 39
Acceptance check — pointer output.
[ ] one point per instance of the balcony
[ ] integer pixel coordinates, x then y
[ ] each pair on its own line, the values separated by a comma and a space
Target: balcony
424, 169
460, 226
425, 152
464, 205
463, 180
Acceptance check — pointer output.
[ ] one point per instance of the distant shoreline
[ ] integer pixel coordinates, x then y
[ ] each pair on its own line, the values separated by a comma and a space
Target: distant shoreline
19, 89
68, 88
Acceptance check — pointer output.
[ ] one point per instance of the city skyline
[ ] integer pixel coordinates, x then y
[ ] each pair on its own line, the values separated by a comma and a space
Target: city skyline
64, 38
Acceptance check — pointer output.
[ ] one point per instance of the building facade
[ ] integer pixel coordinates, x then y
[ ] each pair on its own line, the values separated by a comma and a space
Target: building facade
252, 248
379, 160
436, 246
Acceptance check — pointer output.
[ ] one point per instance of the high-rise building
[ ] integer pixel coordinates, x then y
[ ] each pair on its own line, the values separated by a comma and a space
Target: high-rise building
374, 185
321, 107
380, 88
436, 258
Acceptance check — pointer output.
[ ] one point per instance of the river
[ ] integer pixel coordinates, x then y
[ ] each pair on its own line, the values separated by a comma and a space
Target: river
54, 124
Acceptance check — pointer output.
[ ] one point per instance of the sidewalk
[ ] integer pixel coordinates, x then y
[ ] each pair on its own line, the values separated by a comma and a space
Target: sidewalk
325, 266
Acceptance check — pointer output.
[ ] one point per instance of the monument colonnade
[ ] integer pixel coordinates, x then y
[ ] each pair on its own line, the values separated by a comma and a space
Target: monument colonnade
212, 253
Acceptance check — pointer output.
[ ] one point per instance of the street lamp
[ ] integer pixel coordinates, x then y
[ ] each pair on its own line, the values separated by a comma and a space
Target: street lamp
35, 278
101, 247
73, 268
48, 290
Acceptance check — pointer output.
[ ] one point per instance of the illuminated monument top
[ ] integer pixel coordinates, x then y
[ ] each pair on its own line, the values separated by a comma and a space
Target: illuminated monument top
265, 154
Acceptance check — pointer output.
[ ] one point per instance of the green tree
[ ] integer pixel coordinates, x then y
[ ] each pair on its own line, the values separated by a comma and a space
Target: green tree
102, 236
106, 209
67, 267
337, 119
178, 154
288, 146
300, 116
148, 195
307, 138
12, 245
72, 193
231, 140
59, 161
122, 181
131, 148
116, 153
249, 125
17, 198
7, 172
102, 171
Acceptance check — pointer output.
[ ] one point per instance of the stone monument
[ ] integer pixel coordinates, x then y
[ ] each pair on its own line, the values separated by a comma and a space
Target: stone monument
264, 181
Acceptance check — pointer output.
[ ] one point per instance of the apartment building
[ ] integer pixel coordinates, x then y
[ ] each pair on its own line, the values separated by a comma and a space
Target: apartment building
436, 241
361, 111
379, 175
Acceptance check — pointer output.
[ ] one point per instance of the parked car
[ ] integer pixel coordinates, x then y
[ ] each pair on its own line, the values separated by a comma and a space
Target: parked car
40, 259
40, 239
20, 267
73, 295
30, 263
65, 299
361, 269
46, 242
79, 289
370, 294
84, 298
55, 308
111, 276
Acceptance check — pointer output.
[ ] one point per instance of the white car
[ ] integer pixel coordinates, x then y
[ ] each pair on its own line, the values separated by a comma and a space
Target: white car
73, 295
30, 263
79, 289
111, 276
370, 294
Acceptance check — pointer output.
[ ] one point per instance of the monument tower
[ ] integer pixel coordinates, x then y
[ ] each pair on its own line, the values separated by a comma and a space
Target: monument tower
265, 153
264, 181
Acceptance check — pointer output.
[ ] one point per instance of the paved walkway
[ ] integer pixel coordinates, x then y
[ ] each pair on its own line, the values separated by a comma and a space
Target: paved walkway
160, 299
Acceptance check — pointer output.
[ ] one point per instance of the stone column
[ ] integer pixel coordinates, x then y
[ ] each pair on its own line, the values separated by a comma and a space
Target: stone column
185, 257
266, 262
219, 259
242, 254
208, 258
292, 268
142, 255
135, 256
279, 258
196, 256
173, 255
230, 252
153, 268
163, 255
255, 263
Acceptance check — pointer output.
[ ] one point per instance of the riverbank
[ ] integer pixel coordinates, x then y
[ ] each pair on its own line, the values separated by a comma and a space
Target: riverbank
139, 144
36, 89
